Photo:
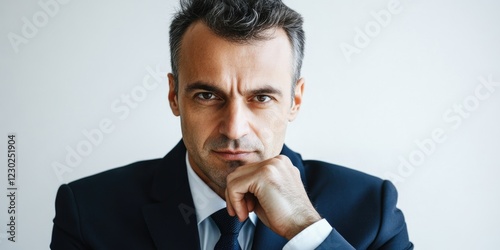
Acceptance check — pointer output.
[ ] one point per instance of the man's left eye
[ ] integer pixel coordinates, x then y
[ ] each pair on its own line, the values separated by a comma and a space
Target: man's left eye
262, 98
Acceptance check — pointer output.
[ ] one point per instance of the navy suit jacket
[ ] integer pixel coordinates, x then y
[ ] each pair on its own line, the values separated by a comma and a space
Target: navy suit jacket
148, 205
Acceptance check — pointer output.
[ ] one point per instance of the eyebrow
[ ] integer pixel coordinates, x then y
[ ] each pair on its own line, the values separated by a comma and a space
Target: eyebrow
202, 86
267, 89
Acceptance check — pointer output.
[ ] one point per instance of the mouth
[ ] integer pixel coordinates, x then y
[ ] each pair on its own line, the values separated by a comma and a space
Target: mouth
233, 155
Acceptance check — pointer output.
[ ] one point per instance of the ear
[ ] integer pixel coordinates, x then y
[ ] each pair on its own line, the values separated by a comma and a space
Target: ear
172, 95
297, 99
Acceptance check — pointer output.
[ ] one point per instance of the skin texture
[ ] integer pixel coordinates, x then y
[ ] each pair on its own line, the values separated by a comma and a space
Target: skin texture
235, 101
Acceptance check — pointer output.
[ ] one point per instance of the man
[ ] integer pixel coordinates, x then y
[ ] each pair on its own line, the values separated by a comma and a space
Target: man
235, 84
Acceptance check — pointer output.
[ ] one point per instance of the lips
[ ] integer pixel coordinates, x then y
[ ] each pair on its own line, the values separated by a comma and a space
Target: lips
233, 155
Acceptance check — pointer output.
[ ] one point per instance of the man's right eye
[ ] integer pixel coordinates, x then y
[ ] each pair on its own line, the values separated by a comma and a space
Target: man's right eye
206, 96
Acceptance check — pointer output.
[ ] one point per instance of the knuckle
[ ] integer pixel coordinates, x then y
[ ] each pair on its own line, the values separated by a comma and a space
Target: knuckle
269, 172
283, 159
230, 178
268, 168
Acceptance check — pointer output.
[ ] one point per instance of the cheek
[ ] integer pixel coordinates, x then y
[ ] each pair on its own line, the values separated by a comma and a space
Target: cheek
271, 129
197, 127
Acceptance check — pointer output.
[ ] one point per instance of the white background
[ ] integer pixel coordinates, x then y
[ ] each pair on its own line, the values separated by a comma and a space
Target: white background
366, 114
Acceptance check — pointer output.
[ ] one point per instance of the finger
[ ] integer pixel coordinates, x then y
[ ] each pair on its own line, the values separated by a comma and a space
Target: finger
251, 201
238, 204
230, 209
253, 167
235, 196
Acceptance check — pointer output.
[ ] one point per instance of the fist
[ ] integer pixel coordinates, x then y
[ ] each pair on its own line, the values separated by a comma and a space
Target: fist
274, 191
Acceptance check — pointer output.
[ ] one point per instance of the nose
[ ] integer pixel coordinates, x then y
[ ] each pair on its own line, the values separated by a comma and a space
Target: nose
235, 121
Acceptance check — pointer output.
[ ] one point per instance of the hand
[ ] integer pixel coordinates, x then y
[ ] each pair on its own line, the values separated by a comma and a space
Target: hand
274, 191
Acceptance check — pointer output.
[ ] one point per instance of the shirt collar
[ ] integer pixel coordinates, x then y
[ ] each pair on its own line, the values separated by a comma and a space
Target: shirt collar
206, 201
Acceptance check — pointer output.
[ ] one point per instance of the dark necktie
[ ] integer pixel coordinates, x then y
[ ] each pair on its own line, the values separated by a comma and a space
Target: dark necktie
229, 229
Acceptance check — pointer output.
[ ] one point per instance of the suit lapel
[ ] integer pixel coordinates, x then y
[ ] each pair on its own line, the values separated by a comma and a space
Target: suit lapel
171, 219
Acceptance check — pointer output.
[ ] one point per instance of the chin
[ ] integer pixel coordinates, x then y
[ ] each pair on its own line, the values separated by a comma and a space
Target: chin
235, 164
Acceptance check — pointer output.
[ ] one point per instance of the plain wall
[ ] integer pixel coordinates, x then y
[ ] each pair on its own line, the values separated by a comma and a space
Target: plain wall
414, 98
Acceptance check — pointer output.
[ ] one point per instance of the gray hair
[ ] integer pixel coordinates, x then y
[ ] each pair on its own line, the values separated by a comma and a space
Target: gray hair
238, 21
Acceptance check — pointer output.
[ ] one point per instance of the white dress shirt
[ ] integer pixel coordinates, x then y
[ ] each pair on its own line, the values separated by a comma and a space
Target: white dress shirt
207, 202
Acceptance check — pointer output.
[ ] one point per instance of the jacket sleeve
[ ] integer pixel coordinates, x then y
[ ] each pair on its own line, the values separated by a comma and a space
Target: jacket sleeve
392, 234
335, 241
66, 233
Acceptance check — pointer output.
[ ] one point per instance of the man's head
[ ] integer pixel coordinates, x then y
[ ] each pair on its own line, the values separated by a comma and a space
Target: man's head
240, 21
235, 65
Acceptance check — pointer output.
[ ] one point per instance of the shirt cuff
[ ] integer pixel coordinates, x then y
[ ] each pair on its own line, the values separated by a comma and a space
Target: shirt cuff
311, 237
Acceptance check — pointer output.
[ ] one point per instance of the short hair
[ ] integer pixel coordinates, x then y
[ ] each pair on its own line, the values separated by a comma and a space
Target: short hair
239, 21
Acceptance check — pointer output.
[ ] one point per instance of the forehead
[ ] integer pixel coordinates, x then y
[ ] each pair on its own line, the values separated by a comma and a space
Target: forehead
205, 56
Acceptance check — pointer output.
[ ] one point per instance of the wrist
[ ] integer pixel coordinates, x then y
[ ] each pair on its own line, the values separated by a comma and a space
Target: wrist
301, 224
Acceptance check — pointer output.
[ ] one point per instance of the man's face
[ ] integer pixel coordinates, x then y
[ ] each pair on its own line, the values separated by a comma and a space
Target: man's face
234, 100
